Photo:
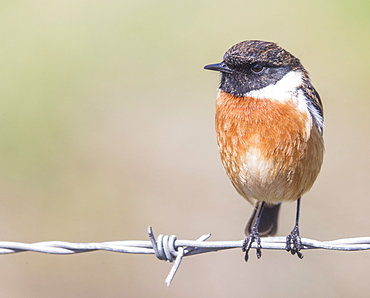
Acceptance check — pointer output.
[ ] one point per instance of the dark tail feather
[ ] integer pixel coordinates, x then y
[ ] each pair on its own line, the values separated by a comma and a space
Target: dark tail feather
268, 223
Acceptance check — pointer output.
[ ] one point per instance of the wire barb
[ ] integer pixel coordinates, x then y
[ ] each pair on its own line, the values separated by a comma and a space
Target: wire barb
170, 249
165, 249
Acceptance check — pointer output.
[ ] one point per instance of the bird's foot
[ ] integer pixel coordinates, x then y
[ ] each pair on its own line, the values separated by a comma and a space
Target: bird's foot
253, 236
294, 243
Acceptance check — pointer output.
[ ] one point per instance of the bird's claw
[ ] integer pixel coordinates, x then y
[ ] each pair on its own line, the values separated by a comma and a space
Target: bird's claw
294, 243
254, 236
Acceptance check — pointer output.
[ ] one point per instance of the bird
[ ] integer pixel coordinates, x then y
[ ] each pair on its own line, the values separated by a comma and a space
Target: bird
269, 126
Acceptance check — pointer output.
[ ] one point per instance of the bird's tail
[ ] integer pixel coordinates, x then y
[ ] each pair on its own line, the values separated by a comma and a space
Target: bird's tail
268, 222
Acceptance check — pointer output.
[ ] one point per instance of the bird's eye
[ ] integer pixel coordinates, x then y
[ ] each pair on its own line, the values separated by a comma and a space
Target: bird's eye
256, 67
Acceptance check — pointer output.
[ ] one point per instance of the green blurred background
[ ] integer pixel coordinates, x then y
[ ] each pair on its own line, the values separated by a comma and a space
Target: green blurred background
107, 127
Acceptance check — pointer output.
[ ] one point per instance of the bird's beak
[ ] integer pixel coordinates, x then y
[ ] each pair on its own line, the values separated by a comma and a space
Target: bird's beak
219, 67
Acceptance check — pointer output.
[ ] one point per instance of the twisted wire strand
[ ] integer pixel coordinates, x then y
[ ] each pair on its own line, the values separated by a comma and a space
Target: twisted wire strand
170, 249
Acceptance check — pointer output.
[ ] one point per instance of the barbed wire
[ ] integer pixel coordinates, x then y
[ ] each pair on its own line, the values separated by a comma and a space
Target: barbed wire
169, 248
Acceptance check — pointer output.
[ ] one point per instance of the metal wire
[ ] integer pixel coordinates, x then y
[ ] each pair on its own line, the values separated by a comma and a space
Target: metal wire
170, 249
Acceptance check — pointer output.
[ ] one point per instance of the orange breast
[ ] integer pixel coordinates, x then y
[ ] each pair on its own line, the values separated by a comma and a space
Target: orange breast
268, 148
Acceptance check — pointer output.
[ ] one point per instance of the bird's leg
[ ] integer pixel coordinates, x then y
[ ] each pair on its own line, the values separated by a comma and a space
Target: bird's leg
254, 236
293, 241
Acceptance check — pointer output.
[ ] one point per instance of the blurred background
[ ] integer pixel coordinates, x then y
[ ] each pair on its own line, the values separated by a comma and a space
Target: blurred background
107, 127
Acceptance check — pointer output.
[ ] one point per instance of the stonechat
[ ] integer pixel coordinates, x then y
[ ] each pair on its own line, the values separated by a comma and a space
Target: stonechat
269, 124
